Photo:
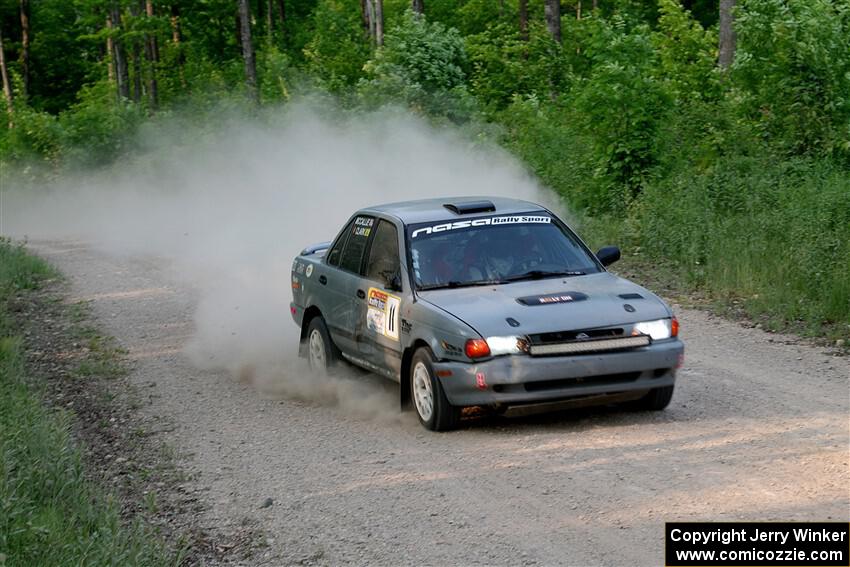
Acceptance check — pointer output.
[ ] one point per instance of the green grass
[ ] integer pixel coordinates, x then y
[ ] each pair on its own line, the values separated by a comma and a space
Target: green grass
50, 513
19, 270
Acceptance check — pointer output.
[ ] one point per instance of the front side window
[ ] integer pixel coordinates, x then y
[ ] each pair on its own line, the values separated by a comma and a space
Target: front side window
495, 250
384, 263
358, 236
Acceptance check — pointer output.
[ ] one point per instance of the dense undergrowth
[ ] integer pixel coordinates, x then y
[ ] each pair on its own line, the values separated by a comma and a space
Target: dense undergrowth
737, 177
50, 513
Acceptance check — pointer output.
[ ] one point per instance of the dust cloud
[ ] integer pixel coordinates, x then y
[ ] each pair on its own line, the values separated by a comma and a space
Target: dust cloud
230, 211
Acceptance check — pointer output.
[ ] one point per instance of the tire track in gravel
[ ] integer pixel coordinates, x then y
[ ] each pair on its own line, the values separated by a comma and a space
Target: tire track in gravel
758, 430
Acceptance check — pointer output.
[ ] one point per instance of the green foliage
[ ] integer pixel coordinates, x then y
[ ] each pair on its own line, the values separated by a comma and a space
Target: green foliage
686, 54
547, 140
98, 128
275, 71
793, 71
421, 64
37, 136
339, 47
505, 66
621, 103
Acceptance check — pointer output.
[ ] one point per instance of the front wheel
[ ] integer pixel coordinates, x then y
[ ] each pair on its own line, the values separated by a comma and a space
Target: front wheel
432, 407
655, 400
321, 352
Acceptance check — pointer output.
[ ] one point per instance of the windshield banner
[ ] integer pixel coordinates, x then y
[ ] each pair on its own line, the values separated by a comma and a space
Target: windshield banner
511, 219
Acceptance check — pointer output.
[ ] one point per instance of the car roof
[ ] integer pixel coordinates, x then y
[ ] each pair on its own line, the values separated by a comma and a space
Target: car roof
432, 210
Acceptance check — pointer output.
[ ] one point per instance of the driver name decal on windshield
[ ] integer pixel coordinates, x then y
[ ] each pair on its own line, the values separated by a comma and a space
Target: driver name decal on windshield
362, 226
513, 219
382, 313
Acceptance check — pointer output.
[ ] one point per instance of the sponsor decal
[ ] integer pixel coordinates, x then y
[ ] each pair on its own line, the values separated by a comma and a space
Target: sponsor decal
552, 298
510, 219
309, 271
296, 283
451, 349
406, 326
298, 267
383, 312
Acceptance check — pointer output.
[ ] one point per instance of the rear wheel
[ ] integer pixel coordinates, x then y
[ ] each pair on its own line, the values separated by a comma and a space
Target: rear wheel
321, 352
432, 407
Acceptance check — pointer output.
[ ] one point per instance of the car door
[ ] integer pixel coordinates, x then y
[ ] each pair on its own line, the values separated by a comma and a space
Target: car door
340, 279
380, 297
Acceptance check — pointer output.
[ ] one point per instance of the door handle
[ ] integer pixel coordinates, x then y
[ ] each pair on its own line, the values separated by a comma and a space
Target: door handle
361, 294
323, 280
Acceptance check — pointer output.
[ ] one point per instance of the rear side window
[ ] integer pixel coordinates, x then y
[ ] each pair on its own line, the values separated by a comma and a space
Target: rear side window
336, 252
358, 236
383, 258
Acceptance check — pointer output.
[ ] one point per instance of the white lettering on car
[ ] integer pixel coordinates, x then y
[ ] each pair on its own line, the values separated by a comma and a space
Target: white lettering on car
480, 222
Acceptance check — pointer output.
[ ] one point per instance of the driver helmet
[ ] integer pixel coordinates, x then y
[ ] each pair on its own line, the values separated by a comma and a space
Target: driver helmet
503, 253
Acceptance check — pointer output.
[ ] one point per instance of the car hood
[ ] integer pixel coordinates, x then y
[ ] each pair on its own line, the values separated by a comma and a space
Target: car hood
557, 304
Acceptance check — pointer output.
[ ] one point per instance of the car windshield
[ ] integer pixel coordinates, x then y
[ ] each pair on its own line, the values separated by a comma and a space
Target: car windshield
495, 250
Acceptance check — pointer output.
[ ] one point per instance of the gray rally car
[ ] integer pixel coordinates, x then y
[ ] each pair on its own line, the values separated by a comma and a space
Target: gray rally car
482, 302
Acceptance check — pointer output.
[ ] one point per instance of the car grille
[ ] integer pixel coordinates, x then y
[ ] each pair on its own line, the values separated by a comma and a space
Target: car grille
604, 379
569, 336
588, 345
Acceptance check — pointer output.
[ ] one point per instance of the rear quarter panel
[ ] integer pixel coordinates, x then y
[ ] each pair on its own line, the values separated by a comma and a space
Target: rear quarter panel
305, 290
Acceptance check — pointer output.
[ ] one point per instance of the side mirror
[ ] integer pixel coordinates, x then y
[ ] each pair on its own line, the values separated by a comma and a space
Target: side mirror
608, 255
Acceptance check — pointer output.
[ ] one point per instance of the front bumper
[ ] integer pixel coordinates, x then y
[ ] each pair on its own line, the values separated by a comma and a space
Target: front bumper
520, 379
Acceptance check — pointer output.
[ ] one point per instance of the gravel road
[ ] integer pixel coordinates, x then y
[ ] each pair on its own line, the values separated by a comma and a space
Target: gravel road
758, 430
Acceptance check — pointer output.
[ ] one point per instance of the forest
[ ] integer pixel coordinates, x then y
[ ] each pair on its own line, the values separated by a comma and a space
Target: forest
711, 140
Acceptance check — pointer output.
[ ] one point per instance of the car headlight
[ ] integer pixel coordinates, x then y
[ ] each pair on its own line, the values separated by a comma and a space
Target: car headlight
657, 330
507, 345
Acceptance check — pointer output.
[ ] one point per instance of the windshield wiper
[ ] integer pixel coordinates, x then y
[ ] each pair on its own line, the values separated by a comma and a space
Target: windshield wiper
540, 274
456, 284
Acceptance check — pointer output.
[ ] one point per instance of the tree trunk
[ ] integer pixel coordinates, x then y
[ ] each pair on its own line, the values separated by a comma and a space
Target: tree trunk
418, 6
553, 18
365, 7
25, 46
122, 73
269, 20
523, 20
379, 22
138, 71
248, 50
110, 51
281, 12
152, 55
138, 68
176, 39
370, 15
7, 87
175, 25
578, 10
727, 34
595, 4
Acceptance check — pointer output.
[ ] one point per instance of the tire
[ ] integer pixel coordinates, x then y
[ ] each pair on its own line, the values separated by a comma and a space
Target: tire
429, 400
655, 400
322, 353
